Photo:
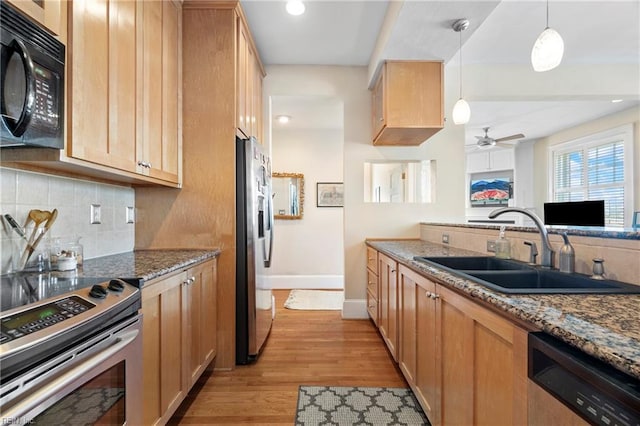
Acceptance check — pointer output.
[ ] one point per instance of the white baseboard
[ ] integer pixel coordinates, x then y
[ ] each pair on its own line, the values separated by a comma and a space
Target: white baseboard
308, 282
355, 309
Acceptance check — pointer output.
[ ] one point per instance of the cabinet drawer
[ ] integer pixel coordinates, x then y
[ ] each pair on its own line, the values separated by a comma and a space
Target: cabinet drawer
372, 260
372, 307
372, 283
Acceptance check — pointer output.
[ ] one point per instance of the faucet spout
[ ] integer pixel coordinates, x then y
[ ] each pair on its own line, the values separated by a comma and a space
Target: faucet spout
547, 251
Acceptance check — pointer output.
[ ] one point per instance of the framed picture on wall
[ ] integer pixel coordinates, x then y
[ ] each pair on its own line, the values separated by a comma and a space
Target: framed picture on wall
330, 194
494, 192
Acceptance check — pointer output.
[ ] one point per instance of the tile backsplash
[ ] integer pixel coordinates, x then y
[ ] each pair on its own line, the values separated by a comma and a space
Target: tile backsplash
22, 191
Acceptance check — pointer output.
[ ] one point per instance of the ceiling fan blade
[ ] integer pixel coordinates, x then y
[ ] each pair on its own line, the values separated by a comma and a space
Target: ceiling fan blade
508, 138
506, 145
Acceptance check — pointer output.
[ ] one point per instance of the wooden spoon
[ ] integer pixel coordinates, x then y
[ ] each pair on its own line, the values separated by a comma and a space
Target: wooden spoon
38, 217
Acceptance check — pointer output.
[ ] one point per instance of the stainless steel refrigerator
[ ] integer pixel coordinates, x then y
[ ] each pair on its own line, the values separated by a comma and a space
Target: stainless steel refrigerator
254, 245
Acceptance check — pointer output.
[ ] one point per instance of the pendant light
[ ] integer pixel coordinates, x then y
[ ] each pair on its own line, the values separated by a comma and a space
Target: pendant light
461, 111
548, 49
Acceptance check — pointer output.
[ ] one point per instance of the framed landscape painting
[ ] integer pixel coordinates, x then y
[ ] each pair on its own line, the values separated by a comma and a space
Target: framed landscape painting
490, 192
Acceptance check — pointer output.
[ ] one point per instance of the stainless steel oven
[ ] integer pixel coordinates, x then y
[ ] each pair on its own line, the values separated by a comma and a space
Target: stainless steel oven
72, 357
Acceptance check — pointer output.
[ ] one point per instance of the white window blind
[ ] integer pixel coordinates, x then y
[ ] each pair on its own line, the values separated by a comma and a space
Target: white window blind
596, 168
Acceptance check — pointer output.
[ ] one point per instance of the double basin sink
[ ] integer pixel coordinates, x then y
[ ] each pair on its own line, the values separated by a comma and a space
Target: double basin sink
510, 276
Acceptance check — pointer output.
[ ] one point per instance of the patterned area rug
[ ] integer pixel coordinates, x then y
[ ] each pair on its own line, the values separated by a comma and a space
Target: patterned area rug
348, 406
320, 300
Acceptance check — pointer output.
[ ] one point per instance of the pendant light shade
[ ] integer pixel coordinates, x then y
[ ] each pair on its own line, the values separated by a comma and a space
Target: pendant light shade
461, 111
548, 49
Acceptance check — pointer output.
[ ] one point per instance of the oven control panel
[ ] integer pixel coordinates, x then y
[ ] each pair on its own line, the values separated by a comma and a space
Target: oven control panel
40, 317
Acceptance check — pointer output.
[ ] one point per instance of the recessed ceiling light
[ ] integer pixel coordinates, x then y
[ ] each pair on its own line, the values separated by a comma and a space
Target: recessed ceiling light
283, 119
615, 101
295, 7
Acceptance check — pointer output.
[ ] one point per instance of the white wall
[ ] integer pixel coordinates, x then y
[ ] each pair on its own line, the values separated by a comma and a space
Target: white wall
308, 253
371, 220
23, 191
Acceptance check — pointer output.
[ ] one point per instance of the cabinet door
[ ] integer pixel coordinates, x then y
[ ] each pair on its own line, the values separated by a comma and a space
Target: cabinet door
407, 321
388, 300
501, 159
478, 162
200, 321
257, 101
242, 119
426, 376
158, 150
483, 364
163, 307
103, 77
377, 105
49, 13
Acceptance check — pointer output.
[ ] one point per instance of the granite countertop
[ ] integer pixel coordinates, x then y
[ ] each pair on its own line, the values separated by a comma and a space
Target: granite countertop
604, 326
144, 265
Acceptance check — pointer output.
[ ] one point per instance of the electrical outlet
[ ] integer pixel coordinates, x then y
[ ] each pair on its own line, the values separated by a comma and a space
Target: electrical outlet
130, 214
491, 246
96, 214
445, 238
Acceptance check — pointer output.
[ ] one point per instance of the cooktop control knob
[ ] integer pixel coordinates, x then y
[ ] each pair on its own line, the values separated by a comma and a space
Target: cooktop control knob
116, 285
98, 292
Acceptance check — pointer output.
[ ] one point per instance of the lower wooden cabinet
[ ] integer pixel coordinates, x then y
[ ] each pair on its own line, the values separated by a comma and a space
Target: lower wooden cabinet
179, 341
465, 363
388, 302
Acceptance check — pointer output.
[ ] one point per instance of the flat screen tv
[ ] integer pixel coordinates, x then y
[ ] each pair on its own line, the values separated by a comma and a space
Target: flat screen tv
575, 213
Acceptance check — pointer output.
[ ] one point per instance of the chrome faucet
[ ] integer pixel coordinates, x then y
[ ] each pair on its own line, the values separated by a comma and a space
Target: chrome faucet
547, 251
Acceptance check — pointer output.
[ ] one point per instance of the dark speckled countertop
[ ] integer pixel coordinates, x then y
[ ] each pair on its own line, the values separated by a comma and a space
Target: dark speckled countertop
605, 326
144, 264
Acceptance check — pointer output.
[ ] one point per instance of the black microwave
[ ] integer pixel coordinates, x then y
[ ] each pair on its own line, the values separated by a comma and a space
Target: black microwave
31, 83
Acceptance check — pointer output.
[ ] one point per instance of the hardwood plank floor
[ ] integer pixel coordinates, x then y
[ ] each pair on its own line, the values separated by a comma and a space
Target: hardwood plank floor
304, 348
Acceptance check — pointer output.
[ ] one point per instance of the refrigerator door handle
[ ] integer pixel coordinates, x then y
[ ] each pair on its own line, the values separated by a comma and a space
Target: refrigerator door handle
267, 261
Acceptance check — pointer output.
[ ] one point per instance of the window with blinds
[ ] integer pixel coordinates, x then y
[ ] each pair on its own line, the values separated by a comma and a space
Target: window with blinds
597, 168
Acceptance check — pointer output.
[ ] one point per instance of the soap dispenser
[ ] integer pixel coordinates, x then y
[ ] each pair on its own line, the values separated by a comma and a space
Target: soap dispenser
503, 246
567, 256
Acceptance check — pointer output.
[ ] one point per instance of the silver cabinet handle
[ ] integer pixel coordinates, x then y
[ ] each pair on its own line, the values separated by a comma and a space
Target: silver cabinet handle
381, 118
144, 164
435, 296
428, 294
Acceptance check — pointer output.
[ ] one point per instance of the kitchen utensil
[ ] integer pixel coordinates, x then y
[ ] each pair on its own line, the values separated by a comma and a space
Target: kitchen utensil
38, 217
16, 227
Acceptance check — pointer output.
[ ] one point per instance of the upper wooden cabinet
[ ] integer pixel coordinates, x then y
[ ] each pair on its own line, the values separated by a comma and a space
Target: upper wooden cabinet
249, 87
159, 151
407, 102
51, 14
102, 83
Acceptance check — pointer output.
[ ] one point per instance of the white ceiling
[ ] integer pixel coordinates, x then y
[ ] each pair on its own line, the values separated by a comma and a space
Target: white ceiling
500, 35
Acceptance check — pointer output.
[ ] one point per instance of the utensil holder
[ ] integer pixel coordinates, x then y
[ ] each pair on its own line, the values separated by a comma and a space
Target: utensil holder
38, 260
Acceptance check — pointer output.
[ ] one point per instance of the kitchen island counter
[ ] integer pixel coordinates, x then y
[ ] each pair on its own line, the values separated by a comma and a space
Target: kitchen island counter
604, 326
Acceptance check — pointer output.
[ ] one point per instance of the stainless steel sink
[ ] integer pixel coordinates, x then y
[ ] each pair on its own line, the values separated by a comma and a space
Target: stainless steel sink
509, 276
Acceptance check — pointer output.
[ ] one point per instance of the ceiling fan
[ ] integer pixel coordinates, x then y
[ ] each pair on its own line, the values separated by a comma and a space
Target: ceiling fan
488, 141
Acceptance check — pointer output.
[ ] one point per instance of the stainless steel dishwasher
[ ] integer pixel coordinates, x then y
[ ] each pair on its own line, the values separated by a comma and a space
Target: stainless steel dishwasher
594, 390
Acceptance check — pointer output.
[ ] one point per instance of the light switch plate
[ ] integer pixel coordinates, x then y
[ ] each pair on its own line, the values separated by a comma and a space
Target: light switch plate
96, 214
491, 246
130, 214
445, 238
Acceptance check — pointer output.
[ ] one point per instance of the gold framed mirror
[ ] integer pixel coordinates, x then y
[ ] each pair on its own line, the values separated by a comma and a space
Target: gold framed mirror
288, 195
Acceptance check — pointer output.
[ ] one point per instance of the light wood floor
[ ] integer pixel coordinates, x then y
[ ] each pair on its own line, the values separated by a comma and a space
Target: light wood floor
304, 348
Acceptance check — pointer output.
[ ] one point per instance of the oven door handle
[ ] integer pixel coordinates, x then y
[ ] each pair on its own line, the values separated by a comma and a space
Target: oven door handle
37, 399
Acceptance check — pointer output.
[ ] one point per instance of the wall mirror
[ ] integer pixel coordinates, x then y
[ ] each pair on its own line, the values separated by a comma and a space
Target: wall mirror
398, 181
288, 198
